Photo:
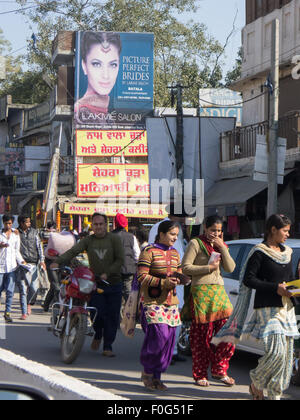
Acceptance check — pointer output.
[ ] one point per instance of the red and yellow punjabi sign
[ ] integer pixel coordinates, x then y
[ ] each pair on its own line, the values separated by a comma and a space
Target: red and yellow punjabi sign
153, 211
111, 143
110, 180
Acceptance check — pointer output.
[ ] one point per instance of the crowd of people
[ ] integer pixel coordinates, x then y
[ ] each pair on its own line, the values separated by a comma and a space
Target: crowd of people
160, 266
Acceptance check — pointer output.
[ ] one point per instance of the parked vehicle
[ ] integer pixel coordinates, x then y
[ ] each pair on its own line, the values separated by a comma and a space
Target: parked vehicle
71, 315
239, 251
183, 343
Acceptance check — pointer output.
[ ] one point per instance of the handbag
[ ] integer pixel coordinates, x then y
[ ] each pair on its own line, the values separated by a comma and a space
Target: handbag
44, 282
128, 322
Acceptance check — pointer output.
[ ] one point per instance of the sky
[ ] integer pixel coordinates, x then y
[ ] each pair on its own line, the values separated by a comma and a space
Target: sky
217, 15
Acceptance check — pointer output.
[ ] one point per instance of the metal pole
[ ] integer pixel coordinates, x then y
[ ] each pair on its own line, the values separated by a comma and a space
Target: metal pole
179, 137
273, 123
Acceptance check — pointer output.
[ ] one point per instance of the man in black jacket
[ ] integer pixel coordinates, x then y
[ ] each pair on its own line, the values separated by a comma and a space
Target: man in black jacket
131, 253
31, 250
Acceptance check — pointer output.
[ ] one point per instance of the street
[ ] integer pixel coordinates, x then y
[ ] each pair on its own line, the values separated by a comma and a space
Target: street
121, 375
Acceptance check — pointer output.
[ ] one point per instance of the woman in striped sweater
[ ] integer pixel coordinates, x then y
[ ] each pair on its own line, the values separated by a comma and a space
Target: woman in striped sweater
157, 266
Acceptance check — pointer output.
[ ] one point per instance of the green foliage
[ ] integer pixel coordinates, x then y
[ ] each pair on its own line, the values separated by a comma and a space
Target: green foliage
25, 87
235, 73
184, 52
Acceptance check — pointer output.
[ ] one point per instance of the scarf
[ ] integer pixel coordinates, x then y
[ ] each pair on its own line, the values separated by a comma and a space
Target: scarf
205, 245
233, 329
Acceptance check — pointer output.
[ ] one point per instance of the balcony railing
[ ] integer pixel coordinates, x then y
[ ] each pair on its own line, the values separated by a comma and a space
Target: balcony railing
241, 142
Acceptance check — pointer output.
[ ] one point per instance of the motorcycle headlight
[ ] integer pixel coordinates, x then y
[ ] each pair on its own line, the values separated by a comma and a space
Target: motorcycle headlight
86, 286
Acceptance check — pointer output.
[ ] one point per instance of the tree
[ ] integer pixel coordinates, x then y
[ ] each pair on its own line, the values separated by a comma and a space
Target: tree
25, 87
12, 64
184, 53
236, 72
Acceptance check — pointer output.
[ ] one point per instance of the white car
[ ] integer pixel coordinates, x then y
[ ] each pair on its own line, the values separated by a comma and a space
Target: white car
239, 251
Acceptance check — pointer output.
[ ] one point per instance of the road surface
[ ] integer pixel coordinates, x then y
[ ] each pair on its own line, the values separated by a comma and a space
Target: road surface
121, 375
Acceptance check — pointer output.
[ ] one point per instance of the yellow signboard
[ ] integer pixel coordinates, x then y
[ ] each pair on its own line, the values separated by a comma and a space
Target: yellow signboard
110, 180
111, 143
152, 211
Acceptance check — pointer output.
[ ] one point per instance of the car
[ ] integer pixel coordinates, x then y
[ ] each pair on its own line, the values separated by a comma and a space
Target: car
239, 250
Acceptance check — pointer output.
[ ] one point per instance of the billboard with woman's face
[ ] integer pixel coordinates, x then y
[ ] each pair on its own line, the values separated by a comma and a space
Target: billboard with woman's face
114, 80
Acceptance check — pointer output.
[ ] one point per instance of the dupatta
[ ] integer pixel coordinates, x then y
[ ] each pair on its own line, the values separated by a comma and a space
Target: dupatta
233, 329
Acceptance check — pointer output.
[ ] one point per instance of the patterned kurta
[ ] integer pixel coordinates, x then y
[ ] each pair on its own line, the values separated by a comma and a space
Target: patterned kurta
211, 303
154, 265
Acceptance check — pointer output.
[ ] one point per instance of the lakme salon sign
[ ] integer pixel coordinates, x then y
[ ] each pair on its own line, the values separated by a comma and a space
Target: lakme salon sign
114, 80
37, 116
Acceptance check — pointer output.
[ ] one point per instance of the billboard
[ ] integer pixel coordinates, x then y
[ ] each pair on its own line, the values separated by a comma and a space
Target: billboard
130, 210
110, 180
221, 103
111, 143
114, 80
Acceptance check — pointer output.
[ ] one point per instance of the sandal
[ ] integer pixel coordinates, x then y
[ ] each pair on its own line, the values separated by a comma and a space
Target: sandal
255, 395
159, 385
202, 382
148, 381
226, 380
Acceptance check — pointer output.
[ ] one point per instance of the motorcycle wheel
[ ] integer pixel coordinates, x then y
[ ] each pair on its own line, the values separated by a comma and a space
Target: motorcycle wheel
71, 346
183, 343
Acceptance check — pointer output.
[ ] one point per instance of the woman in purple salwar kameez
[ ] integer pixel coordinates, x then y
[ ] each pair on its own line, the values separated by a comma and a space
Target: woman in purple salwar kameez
157, 266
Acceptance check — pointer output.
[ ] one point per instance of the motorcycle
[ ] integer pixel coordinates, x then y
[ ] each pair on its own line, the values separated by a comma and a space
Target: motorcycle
183, 344
71, 315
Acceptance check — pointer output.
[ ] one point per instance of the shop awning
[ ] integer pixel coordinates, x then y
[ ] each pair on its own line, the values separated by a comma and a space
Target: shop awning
229, 197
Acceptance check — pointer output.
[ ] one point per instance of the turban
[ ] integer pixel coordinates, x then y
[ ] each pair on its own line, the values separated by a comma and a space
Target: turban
121, 220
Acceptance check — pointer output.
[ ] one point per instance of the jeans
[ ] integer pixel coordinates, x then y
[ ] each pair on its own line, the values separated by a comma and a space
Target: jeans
7, 284
27, 278
108, 305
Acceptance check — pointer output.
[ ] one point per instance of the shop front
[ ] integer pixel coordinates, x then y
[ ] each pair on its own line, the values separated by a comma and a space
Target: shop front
77, 216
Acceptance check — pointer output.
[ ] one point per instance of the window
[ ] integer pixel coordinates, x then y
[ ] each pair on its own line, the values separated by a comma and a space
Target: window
258, 9
268, 35
16, 131
236, 252
295, 260
250, 43
287, 25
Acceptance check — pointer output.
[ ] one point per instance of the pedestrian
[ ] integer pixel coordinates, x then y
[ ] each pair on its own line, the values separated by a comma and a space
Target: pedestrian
106, 258
58, 244
267, 270
142, 238
210, 305
45, 232
180, 245
131, 255
32, 252
10, 258
157, 266
296, 375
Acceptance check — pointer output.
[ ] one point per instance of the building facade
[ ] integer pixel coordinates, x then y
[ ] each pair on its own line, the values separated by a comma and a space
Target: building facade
238, 147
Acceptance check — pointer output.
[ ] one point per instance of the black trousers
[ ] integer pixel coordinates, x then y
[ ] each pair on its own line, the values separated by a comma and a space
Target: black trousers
108, 305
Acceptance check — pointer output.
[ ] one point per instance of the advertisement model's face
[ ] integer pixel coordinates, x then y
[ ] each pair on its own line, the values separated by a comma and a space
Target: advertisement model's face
101, 68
